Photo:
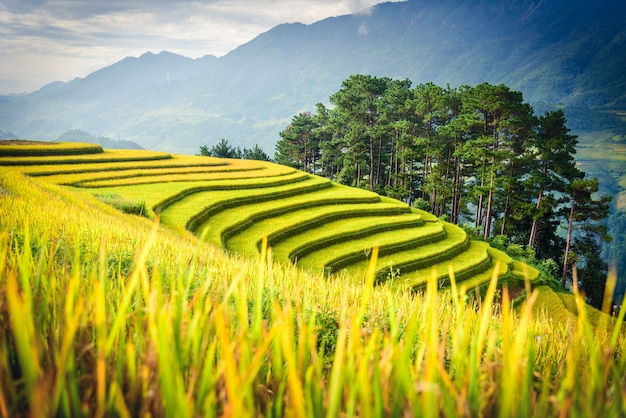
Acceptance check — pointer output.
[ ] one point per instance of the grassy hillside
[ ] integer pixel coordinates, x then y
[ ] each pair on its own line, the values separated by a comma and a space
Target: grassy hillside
104, 313
313, 222
108, 314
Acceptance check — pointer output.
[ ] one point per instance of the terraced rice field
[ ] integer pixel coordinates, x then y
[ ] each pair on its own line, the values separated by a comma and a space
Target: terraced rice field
307, 220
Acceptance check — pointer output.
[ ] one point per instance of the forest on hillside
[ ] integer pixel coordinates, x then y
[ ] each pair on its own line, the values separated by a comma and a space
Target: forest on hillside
477, 156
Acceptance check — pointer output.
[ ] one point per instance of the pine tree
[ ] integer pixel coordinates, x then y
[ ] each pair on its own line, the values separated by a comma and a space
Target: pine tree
553, 170
584, 212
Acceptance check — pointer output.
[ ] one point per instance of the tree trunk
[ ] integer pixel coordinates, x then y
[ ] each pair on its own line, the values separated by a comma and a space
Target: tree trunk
306, 160
479, 205
456, 192
507, 202
391, 152
379, 161
410, 178
535, 227
487, 230
568, 242
371, 163
533, 230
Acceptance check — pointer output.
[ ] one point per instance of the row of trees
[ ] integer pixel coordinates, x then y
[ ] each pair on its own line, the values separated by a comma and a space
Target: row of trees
475, 155
224, 150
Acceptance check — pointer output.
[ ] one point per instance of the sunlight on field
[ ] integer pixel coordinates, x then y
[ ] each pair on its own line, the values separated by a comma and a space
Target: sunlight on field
86, 167
111, 314
16, 148
238, 202
103, 157
97, 301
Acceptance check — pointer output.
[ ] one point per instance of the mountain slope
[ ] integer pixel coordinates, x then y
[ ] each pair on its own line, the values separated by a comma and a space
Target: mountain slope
557, 53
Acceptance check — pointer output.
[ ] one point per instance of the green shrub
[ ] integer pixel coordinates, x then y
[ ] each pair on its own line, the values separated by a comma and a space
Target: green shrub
500, 242
132, 207
421, 204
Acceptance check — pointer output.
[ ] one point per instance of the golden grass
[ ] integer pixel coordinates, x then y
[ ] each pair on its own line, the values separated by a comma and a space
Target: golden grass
251, 211
179, 212
156, 195
475, 256
184, 330
330, 254
175, 161
16, 148
108, 156
233, 172
285, 248
147, 175
455, 237
181, 187
307, 224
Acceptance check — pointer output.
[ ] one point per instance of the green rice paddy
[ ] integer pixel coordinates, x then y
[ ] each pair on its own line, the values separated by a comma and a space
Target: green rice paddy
307, 220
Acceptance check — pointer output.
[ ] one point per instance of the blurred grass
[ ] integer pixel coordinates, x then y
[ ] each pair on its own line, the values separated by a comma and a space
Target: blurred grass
106, 314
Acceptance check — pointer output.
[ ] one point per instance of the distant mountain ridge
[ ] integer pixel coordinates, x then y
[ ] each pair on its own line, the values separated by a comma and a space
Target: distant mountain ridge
77, 135
7, 135
559, 54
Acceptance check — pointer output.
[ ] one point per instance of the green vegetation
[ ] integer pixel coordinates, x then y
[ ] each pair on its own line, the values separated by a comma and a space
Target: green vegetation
108, 314
131, 207
476, 156
310, 221
224, 150
287, 242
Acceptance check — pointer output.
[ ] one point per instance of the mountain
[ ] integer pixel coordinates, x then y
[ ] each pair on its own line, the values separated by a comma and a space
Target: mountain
559, 54
7, 135
76, 135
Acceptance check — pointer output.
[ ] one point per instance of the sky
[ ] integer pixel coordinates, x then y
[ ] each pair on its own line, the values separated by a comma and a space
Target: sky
42, 41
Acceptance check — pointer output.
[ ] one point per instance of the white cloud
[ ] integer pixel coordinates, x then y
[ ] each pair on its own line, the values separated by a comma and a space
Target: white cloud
42, 39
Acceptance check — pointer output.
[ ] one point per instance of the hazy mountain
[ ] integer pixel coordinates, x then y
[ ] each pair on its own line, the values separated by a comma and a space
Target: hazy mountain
76, 135
559, 54
7, 135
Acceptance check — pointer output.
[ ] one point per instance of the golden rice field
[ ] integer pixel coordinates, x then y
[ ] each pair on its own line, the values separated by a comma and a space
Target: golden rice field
103, 313
236, 203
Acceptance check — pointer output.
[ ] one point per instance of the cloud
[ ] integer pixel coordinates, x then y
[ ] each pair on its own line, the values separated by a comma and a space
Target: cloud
190, 27
79, 36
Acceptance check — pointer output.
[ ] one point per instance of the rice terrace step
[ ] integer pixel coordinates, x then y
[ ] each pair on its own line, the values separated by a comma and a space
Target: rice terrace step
308, 221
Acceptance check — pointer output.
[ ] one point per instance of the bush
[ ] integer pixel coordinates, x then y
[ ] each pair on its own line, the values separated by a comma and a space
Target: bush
131, 207
421, 204
500, 242
516, 250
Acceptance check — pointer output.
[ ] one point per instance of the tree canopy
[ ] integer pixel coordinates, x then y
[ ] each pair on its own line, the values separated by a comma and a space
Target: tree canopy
476, 155
224, 150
